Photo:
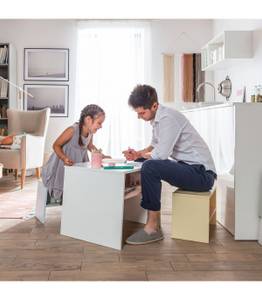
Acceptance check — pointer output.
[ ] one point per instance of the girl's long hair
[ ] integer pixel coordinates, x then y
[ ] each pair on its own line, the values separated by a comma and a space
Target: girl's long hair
91, 110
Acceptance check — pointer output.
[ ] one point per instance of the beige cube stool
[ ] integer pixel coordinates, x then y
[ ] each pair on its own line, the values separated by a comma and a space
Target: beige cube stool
192, 213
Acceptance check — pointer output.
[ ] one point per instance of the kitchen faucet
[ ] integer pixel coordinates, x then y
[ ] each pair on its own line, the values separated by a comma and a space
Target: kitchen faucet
209, 83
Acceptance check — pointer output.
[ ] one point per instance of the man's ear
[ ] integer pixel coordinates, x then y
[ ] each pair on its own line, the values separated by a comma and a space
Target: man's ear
154, 106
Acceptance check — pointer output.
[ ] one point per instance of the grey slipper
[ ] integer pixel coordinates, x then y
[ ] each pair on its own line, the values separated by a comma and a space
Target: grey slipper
141, 237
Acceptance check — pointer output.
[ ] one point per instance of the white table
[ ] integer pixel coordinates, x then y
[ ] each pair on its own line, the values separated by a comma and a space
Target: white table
95, 205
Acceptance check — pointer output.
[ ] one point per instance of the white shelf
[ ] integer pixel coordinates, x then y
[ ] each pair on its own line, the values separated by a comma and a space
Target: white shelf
225, 63
227, 49
134, 193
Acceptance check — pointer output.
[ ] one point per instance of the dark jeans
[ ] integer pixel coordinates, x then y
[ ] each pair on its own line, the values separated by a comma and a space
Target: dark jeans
184, 176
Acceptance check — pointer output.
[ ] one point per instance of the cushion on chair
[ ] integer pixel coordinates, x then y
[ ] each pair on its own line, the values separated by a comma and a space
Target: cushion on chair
7, 140
17, 141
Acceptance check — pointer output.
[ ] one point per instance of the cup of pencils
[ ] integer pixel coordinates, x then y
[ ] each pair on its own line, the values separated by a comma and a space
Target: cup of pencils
96, 159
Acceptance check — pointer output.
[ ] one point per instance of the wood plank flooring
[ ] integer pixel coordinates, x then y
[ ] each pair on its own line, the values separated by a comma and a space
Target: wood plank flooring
30, 250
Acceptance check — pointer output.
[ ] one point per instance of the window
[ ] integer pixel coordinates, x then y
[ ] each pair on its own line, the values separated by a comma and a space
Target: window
111, 61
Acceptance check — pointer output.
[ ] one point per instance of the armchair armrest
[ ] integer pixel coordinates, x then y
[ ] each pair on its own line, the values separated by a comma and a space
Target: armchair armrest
32, 151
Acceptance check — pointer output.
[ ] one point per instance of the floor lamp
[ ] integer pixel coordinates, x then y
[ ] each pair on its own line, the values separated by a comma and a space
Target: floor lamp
20, 92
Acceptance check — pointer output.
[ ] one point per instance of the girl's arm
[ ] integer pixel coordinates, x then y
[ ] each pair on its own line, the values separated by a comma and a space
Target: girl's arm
91, 147
64, 138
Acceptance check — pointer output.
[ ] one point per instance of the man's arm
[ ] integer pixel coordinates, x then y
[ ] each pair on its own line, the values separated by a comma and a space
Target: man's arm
145, 153
170, 132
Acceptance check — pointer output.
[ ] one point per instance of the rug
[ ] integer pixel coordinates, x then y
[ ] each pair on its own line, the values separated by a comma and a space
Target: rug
14, 202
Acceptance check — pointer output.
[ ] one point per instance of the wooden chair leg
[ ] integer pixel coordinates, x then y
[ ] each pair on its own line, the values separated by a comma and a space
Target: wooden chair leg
23, 171
16, 172
37, 172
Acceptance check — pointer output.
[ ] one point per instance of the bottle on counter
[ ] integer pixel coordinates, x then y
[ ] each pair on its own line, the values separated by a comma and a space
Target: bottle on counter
257, 94
253, 94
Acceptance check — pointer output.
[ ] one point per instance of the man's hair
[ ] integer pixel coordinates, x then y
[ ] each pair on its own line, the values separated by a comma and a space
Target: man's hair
143, 96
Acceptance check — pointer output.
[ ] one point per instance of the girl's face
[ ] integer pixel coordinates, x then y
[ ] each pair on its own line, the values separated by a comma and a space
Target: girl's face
94, 124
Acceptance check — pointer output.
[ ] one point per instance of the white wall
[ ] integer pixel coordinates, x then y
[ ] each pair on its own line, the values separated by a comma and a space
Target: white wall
165, 39
247, 74
63, 33
44, 33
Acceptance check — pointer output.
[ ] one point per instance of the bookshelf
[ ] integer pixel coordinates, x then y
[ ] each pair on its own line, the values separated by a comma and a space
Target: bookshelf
7, 92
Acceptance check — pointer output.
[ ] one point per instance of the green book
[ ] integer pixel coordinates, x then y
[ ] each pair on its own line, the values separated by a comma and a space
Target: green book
127, 167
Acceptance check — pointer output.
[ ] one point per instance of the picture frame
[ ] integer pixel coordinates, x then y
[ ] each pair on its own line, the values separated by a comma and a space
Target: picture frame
46, 64
55, 96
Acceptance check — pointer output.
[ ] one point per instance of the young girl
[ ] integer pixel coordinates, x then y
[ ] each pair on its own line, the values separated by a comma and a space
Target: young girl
71, 147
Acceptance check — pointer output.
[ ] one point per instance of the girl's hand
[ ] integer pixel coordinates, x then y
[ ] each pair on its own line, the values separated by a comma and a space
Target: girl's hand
68, 162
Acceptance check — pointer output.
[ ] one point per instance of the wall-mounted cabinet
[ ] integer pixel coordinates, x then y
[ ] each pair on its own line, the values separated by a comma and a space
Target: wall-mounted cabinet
227, 49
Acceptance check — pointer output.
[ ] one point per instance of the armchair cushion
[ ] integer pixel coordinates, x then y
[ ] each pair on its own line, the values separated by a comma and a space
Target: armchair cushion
13, 140
17, 140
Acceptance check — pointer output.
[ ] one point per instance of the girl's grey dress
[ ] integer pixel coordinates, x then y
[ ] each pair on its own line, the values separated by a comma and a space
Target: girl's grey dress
53, 170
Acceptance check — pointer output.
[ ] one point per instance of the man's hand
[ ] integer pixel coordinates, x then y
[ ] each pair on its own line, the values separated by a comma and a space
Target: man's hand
131, 154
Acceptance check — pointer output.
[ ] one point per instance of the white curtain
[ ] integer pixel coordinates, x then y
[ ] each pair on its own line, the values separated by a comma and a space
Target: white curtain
111, 60
168, 64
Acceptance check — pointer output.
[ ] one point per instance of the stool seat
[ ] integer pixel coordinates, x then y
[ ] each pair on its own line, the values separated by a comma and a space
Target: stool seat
192, 213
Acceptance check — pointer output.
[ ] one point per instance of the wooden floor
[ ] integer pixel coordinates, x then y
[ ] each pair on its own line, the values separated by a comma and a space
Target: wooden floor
32, 251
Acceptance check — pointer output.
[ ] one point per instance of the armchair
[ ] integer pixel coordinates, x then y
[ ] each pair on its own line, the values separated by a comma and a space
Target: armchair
33, 125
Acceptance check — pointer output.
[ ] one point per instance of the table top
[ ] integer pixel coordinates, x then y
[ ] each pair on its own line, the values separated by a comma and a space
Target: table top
87, 166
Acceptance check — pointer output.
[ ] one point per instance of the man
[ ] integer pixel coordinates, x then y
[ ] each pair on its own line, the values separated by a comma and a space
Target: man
177, 155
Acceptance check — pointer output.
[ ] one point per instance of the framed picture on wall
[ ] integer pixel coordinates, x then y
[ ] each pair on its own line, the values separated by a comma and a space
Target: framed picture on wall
54, 96
46, 64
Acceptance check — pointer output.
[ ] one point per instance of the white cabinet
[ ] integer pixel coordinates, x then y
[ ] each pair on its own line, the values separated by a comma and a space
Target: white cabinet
248, 169
225, 49
233, 135
216, 126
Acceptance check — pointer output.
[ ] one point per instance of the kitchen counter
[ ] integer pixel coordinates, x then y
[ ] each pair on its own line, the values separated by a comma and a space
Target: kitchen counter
193, 106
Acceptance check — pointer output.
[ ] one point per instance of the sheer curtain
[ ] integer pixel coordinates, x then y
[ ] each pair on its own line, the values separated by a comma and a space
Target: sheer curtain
112, 58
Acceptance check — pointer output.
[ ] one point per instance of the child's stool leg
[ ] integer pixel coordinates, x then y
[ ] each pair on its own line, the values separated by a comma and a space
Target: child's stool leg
40, 208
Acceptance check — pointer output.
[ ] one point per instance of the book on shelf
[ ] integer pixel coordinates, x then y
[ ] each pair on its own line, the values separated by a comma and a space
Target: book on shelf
3, 112
4, 55
3, 89
3, 131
